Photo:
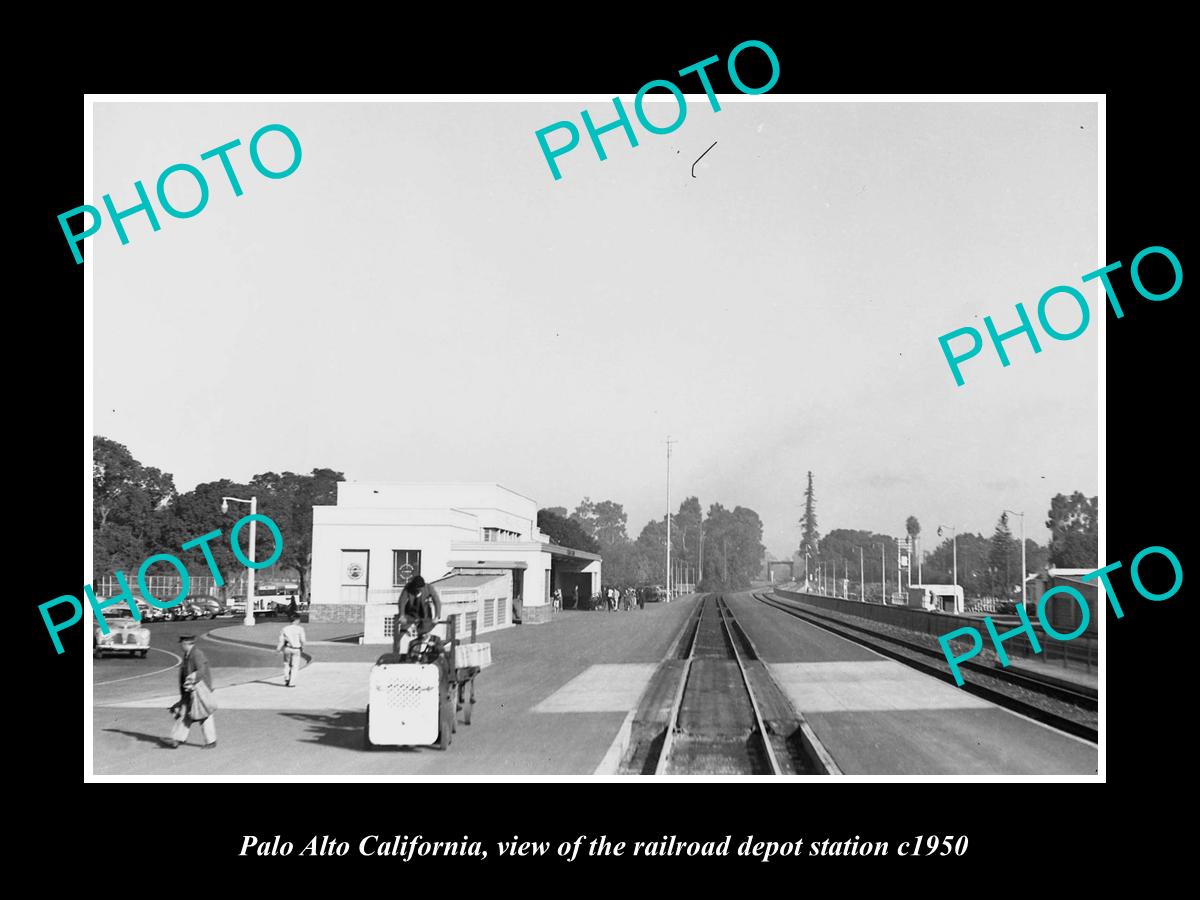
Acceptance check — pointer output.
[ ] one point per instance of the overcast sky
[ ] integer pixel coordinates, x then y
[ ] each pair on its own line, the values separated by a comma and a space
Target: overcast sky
422, 301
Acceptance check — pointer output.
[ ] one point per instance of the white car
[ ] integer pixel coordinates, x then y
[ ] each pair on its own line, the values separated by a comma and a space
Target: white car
124, 636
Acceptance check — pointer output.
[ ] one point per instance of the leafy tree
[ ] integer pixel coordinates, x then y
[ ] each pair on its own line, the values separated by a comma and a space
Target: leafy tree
733, 550
566, 532
560, 511
1036, 557
686, 530
625, 565
289, 500
1074, 531
128, 507
974, 567
651, 546
198, 512
840, 549
603, 520
913, 527
810, 539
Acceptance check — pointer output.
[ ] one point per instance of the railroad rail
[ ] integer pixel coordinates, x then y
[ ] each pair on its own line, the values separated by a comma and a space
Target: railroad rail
715, 710
915, 655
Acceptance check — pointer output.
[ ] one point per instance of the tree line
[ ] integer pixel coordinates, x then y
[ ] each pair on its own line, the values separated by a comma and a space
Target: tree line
137, 512
723, 548
987, 566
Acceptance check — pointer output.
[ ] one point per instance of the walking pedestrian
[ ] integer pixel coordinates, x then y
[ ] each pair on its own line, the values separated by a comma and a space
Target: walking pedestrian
193, 672
291, 642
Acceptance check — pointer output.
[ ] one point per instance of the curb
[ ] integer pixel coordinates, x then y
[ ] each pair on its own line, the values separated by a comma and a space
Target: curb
304, 657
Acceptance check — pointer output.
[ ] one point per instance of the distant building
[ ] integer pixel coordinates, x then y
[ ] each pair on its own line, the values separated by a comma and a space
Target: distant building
1063, 611
482, 538
937, 597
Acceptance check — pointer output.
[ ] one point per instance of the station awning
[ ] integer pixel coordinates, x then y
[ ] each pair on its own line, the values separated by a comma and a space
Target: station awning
556, 550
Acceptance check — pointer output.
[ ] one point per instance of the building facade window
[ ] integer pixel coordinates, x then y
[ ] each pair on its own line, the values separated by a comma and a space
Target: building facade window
500, 535
405, 564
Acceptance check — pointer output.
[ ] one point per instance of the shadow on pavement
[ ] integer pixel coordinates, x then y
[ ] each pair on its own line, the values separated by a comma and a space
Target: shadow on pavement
157, 740
339, 729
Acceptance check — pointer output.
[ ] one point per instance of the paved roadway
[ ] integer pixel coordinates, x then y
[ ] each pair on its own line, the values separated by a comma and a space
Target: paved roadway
552, 704
877, 716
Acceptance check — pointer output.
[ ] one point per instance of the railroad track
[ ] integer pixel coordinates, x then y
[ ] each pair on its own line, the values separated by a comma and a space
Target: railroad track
715, 710
923, 658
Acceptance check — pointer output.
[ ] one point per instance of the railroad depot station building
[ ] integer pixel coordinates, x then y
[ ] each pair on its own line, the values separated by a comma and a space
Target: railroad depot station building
478, 544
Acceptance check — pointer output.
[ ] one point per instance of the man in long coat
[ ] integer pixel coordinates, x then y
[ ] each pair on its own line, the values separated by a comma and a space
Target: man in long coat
193, 668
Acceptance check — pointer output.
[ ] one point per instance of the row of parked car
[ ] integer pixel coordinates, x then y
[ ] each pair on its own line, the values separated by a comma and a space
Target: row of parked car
128, 635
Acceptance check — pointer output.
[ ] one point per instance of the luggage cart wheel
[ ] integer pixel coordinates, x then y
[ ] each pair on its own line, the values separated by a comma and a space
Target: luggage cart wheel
367, 745
446, 728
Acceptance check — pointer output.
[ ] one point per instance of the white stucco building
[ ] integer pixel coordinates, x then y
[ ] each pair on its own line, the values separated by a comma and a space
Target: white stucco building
482, 538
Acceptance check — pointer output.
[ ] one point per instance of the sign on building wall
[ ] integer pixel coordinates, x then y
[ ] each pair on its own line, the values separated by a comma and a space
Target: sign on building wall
405, 564
354, 576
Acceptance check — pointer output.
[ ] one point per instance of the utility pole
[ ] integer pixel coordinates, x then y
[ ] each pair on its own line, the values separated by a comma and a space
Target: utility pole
1023, 572
669, 443
883, 573
954, 534
862, 577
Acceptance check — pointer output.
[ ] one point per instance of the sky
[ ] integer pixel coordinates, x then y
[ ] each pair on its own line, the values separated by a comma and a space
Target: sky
421, 301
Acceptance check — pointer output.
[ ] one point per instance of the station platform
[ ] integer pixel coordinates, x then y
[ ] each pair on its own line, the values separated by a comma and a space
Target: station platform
552, 703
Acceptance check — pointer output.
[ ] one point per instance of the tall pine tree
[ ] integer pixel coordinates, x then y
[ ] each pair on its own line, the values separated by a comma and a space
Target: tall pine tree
809, 538
998, 556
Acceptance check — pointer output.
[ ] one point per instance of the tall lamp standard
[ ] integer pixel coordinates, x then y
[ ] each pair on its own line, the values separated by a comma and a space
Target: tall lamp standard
1023, 572
954, 534
253, 501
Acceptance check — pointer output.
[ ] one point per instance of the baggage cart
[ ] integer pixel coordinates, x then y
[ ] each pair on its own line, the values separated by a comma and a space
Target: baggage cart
414, 700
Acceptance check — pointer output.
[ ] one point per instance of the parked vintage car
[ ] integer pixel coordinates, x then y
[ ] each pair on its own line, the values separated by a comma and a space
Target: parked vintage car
151, 613
202, 606
124, 636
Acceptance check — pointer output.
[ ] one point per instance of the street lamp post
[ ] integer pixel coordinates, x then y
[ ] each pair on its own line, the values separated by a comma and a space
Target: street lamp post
253, 501
882, 575
862, 577
954, 536
1023, 572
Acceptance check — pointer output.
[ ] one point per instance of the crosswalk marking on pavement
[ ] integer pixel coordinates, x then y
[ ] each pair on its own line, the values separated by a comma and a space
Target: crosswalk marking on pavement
867, 686
320, 686
614, 687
